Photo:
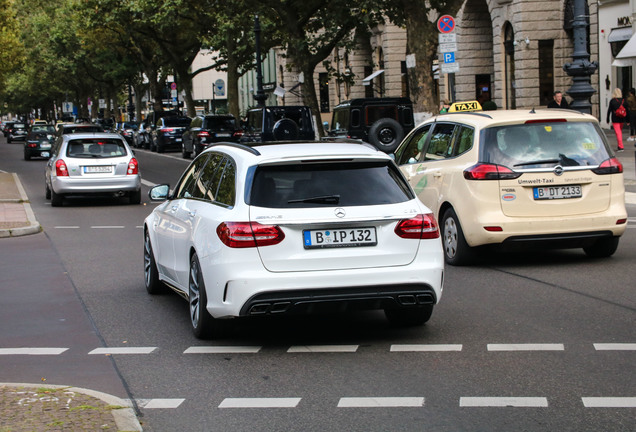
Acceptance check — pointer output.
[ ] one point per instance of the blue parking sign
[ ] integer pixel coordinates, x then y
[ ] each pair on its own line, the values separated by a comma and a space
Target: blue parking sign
449, 57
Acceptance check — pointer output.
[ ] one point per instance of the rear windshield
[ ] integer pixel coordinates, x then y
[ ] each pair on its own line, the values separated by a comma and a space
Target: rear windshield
19, 126
177, 122
43, 129
96, 148
221, 123
537, 145
328, 184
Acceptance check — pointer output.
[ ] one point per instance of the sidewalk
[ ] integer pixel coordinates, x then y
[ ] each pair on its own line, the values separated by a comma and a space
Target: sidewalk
16, 216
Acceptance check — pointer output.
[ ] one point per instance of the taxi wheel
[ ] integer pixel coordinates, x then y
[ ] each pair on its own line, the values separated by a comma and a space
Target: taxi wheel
204, 326
602, 248
414, 316
456, 250
151, 275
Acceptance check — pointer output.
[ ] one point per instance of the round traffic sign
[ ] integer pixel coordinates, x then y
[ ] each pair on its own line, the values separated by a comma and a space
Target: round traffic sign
173, 86
446, 24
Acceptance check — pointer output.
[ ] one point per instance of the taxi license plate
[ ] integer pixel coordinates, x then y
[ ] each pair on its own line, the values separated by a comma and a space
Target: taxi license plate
342, 237
98, 169
557, 192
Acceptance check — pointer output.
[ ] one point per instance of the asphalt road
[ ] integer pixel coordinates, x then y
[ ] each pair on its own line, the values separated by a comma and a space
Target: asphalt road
524, 342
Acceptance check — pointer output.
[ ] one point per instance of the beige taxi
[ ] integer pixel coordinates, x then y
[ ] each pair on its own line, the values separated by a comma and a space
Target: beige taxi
517, 179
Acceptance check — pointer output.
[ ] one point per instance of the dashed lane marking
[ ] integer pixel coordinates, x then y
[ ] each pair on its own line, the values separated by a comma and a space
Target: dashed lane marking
67, 227
609, 402
526, 347
108, 227
260, 403
32, 351
123, 350
159, 403
322, 348
517, 402
615, 346
380, 402
222, 350
425, 347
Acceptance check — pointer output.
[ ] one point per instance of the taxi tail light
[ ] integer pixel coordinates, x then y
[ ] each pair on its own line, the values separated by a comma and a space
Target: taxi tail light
422, 226
60, 168
609, 166
486, 171
133, 167
249, 234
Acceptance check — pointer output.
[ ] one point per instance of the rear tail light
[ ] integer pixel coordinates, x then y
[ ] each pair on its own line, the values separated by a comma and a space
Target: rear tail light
60, 168
166, 130
32, 144
238, 134
485, 171
422, 226
609, 166
133, 167
249, 234
203, 134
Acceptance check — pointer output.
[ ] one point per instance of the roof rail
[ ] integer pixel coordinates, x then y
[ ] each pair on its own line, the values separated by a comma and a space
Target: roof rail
238, 146
480, 114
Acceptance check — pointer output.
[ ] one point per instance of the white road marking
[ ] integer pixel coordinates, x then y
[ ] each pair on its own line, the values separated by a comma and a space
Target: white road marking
67, 227
609, 402
380, 402
259, 403
107, 226
519, 402
32, 351
526, 347
159, 403
222, 350
615, 347
322, 348
425, 347
123, 350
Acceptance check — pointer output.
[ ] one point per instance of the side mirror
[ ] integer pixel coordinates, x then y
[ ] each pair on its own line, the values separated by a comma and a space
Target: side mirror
159, 192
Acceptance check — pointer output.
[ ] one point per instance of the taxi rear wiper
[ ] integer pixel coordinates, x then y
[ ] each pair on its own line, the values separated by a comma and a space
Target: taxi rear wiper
322, 199
563, 160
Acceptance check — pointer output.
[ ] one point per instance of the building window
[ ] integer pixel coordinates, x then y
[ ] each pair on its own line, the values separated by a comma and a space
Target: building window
546, 70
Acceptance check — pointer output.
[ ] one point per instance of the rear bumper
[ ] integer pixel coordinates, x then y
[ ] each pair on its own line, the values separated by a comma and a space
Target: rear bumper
555, 241
70, 185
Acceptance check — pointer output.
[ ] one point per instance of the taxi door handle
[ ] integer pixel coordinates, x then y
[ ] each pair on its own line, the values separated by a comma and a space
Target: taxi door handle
437, 174
192, 214
174, 208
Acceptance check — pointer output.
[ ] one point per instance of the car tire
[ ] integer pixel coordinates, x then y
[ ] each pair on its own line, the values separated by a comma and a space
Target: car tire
151, 274
409, 317
134, 197
602, 248
8, 140
56, 199
27, 156
204, 326
47, 192
184, 153
386, 134
285, 130
456, 250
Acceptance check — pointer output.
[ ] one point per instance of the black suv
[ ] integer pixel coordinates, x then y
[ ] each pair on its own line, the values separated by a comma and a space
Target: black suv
168, 133
144, 138
382, 122
279, 123
207, 129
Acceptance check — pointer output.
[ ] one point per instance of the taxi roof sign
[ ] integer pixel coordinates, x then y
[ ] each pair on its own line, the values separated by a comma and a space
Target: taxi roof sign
465, 106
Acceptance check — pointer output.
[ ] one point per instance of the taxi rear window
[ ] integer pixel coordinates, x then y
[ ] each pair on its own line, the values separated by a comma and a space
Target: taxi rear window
541, 144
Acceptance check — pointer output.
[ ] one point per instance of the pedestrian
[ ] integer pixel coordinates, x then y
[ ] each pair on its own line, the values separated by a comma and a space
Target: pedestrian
631, 107
619, 115
444, 107
558, 101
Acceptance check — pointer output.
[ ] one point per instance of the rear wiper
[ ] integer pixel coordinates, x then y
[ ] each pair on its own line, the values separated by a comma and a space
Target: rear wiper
322, 199
538, 162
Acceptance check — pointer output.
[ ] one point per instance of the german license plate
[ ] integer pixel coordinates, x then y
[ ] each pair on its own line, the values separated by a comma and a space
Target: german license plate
341, 237
223, 135
45, 154
98, 169
557, 192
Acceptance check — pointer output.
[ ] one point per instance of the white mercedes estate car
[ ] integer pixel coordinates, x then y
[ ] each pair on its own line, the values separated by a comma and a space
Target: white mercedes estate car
293, 228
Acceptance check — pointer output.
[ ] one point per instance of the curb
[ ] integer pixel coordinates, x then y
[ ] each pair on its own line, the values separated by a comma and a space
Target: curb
125, 417
34, 226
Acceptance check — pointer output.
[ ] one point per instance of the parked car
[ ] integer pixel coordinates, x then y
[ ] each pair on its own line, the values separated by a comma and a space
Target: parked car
144, 139
127, 130
17, 132
208, 129
98, 163
517, 179
6, 126
70, 128
39, 141
293, 228
168, 133
382, 122
279, 123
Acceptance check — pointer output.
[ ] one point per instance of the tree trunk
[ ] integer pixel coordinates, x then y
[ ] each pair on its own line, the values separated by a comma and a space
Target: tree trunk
310, 98
232, 81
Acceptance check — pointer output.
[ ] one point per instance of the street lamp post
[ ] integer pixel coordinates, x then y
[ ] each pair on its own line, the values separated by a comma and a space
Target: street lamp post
581, 69
260, 95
